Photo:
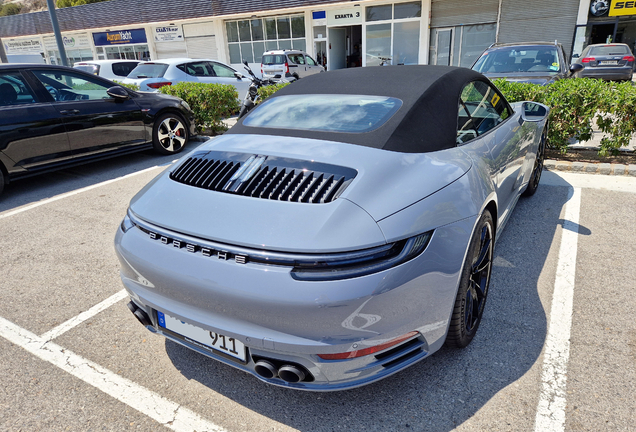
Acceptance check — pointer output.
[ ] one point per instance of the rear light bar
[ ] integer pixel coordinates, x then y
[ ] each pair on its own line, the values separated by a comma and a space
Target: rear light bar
587, 59
159, 84
367, 351
286, 68
629, 58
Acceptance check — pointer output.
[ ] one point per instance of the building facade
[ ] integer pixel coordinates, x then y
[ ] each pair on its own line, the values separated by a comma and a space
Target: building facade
337, 34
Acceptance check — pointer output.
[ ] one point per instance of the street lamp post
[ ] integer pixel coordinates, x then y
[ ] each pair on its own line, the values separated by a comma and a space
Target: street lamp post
56, 30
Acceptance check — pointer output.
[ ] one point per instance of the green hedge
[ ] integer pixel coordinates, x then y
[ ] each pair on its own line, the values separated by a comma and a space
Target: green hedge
133, 87
267, 91
576, 103
210, 102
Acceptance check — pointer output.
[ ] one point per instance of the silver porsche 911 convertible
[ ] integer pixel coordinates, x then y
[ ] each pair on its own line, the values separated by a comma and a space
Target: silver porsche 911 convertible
341, 231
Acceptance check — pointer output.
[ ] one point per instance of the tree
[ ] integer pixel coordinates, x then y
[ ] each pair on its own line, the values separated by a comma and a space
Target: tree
69, 3
9, 9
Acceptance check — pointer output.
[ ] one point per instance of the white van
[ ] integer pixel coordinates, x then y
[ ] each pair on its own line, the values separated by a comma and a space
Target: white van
109, 69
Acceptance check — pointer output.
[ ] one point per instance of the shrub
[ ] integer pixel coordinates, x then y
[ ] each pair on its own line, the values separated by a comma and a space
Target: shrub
575, 104
133, 87
267, 91
210, 102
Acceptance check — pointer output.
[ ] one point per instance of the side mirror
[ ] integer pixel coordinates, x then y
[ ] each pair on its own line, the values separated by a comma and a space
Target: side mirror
575, 56
575, 67
533, 111
239, 75
118, 92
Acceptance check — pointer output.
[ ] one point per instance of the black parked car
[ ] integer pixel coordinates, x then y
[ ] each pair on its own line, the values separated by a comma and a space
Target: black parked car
52, 117
532, 62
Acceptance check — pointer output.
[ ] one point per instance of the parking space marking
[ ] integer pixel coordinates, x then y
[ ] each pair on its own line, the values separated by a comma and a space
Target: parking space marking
78, 191
550, 416
155, 406
77, 320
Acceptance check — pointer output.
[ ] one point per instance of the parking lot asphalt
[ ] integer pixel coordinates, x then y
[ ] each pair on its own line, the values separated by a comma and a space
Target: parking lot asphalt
556, 348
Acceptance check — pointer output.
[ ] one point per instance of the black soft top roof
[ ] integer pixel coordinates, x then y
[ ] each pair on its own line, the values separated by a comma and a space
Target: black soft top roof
426, 122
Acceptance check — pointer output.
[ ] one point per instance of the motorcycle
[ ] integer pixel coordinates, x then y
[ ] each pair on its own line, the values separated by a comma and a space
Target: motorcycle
251, 97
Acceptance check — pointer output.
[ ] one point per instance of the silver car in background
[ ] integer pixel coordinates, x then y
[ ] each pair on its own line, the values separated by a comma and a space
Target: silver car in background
341, 231
288, 63
150, 76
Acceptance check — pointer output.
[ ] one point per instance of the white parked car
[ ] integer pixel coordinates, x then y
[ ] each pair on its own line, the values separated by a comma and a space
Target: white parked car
109, 69
288, 63
152, 75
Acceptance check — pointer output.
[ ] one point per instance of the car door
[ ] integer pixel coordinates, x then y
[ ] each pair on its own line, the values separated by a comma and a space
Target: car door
312, 66
225, 75
94, 121
483, 112
297, 65
31, 131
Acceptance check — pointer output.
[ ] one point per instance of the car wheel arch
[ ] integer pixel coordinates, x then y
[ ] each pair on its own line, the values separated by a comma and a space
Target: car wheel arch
492, 208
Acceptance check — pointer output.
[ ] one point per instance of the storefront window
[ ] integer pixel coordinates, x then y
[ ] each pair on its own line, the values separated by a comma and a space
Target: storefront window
460, 45
379, 13
248, 39
378, 44
408, 10
406, 42
128, 52
397, 41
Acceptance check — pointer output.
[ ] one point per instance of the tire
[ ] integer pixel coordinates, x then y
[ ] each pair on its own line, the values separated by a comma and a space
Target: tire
533, 184
473, 285
170, 134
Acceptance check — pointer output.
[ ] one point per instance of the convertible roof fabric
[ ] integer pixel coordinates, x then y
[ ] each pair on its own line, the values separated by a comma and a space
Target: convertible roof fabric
426, 122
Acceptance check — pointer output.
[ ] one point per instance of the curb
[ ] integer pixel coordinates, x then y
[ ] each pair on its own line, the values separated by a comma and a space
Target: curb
591, 168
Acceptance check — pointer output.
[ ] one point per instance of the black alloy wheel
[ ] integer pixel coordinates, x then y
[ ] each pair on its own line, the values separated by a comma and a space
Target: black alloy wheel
169, 134
473, 286
533, 184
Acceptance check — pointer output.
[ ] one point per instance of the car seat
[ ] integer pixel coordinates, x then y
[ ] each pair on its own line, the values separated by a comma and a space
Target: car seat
8, 95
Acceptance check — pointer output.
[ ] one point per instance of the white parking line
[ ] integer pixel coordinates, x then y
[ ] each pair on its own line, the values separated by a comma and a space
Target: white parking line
77, 320
78, 191
164, 411
550, 415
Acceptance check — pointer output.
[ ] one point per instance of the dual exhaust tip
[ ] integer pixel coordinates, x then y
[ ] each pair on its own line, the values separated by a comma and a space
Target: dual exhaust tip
288, 373
141, 316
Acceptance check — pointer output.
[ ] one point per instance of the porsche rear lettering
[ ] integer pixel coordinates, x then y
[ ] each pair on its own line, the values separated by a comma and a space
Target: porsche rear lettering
194, 248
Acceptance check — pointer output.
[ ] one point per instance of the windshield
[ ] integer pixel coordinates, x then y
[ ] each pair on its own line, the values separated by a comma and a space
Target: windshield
148, 70
271, 59
328, 113
540, 59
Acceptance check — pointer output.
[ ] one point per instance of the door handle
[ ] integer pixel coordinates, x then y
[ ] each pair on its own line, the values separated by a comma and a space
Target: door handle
70, 112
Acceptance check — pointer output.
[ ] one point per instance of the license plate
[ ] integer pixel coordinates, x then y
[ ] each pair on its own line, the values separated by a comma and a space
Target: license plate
197, 335
608, 62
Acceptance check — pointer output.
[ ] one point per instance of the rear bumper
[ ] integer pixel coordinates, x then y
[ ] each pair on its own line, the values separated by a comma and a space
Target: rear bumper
614, 73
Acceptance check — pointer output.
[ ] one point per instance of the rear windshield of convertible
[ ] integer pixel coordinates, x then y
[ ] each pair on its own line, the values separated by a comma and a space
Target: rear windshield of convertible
328, 113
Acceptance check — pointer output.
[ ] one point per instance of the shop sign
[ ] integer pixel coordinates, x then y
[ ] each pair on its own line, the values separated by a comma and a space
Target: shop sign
168, 33
70, 41
620, 8
344, 17
120, 37
22, 46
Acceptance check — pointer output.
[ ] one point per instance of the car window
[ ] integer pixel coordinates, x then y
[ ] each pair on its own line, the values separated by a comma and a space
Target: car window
222, 71
89, 68
272, 59
310, 61
609, 50
14, 90
481, 108
199, 69
67, 86
297, 58
122, 69
519, 59
328, 113
148, 70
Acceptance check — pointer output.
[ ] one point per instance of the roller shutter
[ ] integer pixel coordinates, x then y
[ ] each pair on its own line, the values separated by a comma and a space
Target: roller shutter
538, 20
448, 13
166, 50
200, 40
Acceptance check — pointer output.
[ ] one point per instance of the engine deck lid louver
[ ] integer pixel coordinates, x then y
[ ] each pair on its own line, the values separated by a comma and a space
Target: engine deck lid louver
266, 177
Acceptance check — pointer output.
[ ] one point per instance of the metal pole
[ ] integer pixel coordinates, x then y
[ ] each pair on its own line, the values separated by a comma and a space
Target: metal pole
3, 55
56, 30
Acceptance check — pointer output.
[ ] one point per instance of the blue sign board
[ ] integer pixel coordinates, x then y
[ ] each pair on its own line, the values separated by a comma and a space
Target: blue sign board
319, 15
120, 37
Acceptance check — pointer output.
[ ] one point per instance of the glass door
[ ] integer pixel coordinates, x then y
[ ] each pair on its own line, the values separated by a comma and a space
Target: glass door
442, 49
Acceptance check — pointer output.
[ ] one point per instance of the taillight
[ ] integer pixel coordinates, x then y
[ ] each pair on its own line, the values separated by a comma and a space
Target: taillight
160, 84
367, 351
629, 58
587, 59
286, 68
261, 68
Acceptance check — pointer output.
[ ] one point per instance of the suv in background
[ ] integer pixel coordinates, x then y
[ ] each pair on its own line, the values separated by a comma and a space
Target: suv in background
532, 62
288, 63
109, 69
613, 61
